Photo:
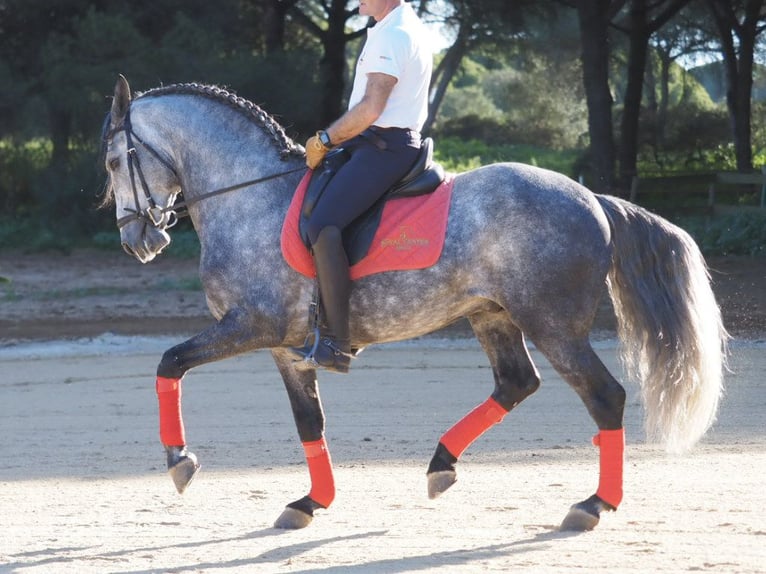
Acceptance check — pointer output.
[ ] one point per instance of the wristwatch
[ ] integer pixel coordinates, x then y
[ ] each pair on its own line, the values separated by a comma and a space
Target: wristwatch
324, 137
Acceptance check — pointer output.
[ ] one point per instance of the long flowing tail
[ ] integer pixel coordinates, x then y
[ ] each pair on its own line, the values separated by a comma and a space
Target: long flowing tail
672, 337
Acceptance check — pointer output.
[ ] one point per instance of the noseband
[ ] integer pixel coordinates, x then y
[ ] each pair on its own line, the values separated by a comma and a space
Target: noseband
165, 217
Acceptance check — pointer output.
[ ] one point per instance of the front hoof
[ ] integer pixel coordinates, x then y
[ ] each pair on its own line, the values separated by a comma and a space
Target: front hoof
182, 467
293, 519
440, 481
584, 515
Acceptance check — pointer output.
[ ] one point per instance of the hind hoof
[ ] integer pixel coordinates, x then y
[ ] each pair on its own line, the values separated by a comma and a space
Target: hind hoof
293, 519
440, 481
182, 467
578, 520
584, 515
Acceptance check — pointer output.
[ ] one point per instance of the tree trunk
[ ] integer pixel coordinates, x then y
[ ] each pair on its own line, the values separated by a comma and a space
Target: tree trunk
60, 124
639, 43
662, 109
594, 21
333, 63
443, 76
742, 111
273, 24
739, 71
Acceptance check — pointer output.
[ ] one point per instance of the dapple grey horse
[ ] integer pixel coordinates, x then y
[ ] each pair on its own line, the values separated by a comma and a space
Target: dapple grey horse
528, 254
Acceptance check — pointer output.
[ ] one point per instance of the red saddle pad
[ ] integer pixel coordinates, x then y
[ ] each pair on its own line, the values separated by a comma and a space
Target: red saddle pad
410, 235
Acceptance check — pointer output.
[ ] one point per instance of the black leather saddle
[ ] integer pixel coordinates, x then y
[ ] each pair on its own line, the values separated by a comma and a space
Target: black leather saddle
423, 177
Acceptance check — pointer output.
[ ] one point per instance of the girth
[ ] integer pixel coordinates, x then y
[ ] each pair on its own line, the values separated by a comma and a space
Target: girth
423, 177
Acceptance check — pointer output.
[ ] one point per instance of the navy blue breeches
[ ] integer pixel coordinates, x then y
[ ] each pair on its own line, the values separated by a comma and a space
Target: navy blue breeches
361, 181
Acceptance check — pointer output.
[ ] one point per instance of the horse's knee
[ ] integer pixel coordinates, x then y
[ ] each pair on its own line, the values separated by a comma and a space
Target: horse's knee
509, 394
171, 366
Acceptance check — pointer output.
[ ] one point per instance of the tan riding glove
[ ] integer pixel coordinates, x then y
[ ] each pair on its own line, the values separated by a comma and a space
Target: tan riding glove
315, 151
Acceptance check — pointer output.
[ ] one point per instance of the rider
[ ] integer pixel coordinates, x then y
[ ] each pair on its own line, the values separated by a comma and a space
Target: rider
381, 132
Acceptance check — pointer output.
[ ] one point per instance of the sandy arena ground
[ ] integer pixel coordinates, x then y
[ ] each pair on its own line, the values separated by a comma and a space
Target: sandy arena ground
83, 487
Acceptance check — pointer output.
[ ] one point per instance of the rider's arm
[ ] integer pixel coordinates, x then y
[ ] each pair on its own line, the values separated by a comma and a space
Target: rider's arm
366, 111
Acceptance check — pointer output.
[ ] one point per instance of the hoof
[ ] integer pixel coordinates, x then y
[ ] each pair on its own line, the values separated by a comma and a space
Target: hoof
293, 519
182, 467
584, 515
440, 481
578, 520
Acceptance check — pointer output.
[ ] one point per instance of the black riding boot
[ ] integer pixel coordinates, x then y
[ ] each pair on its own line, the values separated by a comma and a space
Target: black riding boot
333, 351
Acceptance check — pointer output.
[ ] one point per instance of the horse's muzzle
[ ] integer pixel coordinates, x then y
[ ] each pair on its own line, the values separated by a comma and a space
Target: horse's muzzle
143, 241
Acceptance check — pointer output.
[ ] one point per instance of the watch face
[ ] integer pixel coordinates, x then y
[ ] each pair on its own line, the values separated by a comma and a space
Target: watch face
324, 138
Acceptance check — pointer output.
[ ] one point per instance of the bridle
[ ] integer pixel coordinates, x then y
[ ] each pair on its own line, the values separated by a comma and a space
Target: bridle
163, 218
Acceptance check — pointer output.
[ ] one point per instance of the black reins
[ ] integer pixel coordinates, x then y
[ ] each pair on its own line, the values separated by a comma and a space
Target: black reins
165, 217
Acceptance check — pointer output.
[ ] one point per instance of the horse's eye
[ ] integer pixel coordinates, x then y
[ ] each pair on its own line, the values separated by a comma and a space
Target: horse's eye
114, 163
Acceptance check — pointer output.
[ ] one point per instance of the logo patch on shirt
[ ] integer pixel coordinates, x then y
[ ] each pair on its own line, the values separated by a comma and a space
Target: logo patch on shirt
385, 58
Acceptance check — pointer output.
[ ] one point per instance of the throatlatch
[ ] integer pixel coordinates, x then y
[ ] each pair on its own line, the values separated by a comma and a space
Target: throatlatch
611, 445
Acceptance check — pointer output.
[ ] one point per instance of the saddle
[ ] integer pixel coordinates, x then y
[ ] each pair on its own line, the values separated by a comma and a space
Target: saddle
423, 178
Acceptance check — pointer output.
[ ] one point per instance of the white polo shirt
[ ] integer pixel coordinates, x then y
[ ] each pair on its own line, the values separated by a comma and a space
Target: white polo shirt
398, 46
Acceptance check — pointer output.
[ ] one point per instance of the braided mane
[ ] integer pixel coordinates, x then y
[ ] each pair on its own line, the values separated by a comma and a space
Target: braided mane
287, 147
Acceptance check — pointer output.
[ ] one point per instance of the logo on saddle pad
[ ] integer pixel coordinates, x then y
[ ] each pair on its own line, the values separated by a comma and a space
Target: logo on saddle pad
410, 234
405, 240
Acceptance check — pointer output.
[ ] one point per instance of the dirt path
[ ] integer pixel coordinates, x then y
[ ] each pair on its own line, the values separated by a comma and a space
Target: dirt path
87, 293
83, 487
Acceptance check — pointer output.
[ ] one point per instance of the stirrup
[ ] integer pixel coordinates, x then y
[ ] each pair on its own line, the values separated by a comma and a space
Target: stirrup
324, 353
330, 356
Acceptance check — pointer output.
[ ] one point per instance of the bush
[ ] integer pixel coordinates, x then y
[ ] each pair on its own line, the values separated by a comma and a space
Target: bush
458, 155
692, 139
740, 234
32, 235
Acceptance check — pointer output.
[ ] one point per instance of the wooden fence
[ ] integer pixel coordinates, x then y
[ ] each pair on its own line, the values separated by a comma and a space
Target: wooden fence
708, 189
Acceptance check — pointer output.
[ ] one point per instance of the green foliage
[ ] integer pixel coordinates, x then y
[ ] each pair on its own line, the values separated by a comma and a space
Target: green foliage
184, 242
294, 99
535, 101
517, 98
45, 206
470, 101
458, 155
692, 138
19, 165
31, 235
740, 234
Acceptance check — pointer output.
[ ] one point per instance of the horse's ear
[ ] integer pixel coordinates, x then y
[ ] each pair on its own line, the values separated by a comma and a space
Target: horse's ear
121, 101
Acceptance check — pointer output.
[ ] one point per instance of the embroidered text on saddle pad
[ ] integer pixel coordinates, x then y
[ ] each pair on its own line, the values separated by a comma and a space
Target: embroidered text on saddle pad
410, 236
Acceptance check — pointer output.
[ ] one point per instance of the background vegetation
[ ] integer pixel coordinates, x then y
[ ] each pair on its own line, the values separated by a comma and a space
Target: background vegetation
513, 82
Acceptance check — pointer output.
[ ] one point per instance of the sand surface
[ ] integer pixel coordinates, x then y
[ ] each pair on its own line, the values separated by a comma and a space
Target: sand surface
83, 486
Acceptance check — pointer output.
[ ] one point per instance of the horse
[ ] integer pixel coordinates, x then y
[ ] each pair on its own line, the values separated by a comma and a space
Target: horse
527, 256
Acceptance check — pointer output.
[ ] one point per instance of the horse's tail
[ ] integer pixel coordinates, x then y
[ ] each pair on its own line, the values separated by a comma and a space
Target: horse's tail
672, 337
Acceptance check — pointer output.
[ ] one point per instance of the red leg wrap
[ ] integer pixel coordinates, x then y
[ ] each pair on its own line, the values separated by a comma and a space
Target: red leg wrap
472, 426
611, 459
320, 470
171, 423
